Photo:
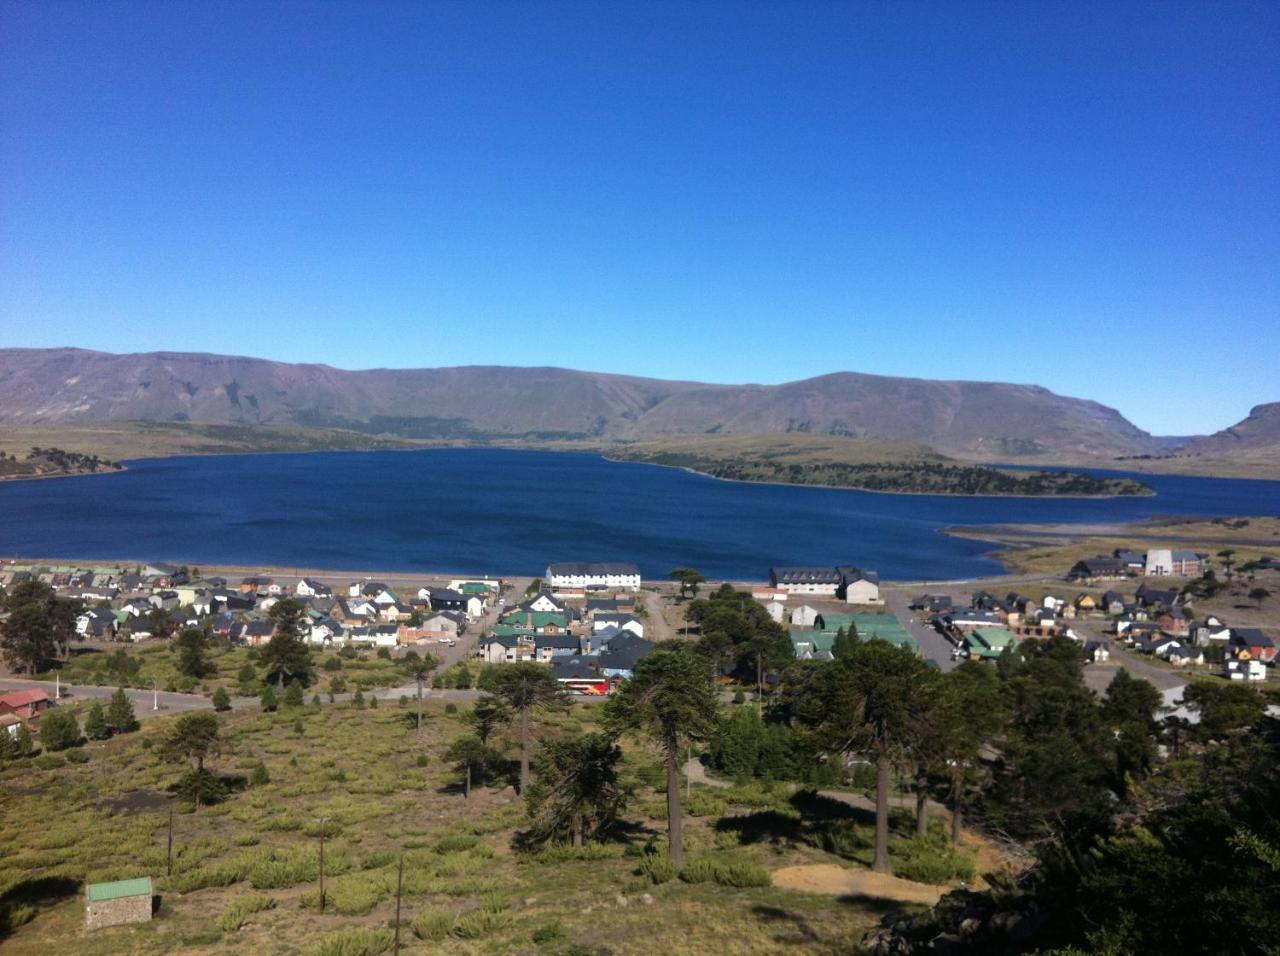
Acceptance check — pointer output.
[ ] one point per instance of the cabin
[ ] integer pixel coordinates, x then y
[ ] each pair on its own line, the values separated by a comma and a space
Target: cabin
117, 903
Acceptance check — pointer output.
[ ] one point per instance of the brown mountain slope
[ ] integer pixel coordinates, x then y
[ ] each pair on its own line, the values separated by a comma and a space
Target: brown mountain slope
1258, 434
969, 419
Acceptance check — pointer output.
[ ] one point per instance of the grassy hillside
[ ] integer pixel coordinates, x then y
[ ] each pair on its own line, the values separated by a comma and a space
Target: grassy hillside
245, 872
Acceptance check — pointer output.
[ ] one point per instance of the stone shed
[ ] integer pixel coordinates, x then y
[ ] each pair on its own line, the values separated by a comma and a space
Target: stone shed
124, 901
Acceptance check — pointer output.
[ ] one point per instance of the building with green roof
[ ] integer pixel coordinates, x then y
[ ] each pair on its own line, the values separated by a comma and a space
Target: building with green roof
122, 901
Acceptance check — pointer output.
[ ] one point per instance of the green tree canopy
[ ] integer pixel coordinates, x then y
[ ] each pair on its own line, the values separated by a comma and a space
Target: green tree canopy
40, 625
192, 647
59, 729
575, 787
671, 698
525, 687
120, 713
286, 656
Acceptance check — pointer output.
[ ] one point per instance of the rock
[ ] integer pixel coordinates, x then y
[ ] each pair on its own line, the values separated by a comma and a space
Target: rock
620, 900
647, 899
970, 926
530, 900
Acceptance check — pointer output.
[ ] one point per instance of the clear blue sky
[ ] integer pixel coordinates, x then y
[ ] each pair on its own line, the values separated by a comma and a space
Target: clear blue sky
1085, 196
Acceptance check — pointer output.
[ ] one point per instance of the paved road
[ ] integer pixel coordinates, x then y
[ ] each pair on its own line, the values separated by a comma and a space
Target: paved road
934, 646
145, 703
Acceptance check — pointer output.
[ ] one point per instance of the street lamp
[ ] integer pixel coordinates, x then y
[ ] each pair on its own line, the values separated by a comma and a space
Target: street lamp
155, 691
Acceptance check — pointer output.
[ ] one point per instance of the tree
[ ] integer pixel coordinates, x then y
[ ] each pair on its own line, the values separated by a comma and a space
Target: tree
286, 655
270, 703
488, 715
40, 625
293, 695
845, 641
671, 698
120, 713
419, 670
768, 648
1226, 710
535, 586
192, 645
575, 788
1129, 713
474, 760
1258, 595
525, 687
23, 743
59, 729
159, 623
689, 579
221, 699
95, 722
195, 736
968, 714
870, 702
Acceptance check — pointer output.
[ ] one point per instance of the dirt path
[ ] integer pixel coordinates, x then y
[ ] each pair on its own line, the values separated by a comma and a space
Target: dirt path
833, 880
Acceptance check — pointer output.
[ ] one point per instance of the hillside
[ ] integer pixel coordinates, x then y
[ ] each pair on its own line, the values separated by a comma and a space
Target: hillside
975, 420
1256, 435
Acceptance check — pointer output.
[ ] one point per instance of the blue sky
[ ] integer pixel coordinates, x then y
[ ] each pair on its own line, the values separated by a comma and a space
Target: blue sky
1085, 196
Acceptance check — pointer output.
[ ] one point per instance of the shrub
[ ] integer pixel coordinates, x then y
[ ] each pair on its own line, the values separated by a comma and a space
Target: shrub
353, 941
422, 760
221, 699
737, 873
480, 923
332, 663
434, 924
378, 859
59, 729
450, 708
930, 860
269, 702
657, 868
258, 776
76, 755
352, 896
706, 802
456, 842
241, 908
49, 762
293, 694
548, 933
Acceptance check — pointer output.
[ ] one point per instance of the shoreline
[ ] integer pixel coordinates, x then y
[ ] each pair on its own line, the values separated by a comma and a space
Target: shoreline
65, 474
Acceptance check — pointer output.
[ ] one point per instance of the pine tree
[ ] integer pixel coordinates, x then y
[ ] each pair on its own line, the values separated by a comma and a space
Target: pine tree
95, 722
258, 776
221, 699
25, 744
269, 702
8, 745
293, 695
120, 713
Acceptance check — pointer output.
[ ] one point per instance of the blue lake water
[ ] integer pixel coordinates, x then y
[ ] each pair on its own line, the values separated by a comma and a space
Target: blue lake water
511, 512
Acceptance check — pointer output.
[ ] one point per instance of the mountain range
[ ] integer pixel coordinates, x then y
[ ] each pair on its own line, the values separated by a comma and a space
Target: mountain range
976, 420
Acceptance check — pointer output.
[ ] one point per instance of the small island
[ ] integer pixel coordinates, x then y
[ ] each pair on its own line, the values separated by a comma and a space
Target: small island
865, 465
53, 462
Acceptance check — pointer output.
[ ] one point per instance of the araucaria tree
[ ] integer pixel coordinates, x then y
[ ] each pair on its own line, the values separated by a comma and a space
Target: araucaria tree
419, 670
525, 687
120, 713
671, 698
870, 702
286, 656
192, 646
39, 627
575, 787
194, 737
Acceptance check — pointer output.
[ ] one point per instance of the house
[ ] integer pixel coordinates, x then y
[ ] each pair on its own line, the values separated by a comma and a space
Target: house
1245, 670
1150, 597
548, 647
1250, 644
593, 576
443, 599
123, 901
804, 616
933, 603
98, 623
506, 648
255, 633
1159, 563
1101, 568
309, 587
25, 703
1112, 602
1097, 652
769, 594
542, 601
858, 586
1209, 632
1134, 561
1085, 603
623, 621
9, 723
619, 657
255, 583
1187, 563
817, 581
777, 611
969, 618
1183, 656
988, 643
581, 675
535, 622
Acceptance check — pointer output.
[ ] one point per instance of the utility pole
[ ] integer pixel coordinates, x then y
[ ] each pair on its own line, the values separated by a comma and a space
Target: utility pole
155, 695
322, 868
169, 866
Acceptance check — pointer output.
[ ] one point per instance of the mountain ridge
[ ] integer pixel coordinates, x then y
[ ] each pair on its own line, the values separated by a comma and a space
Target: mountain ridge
990, 420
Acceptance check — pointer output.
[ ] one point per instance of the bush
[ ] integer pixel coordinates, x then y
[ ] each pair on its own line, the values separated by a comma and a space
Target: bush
738, 873
338, 685
332, 663
352, 941
201, 786
480, 923
76, 755
930, 860
450, 708
258, 776
59, 729
352, 896
657, 868
293, 694
434, 924
49, 762
241, 908
269, 702
221, 699
456, 842
548, 933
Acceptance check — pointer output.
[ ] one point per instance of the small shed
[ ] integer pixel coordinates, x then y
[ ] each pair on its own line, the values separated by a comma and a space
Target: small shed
123, 901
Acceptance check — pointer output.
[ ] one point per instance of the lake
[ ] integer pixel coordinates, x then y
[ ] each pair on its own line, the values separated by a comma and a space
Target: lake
492, 511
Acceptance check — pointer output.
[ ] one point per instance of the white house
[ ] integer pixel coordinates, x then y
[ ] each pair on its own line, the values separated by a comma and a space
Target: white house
1246, 670
1159, 562
593, 575
859, 586
777, 611
623, 622
767, 594
309, 587
543, 602
804, 616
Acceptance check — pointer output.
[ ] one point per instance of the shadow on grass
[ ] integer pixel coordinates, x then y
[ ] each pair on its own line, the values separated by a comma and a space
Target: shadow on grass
17, 904
800, 932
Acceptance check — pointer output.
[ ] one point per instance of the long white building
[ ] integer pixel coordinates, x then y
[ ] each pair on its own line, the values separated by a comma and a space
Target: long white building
615, 574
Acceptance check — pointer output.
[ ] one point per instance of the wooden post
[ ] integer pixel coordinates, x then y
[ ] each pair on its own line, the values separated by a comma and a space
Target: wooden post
322, 870
399, 888
169, 866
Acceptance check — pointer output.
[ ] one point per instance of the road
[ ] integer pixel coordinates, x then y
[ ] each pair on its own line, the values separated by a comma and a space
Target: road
933, 645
